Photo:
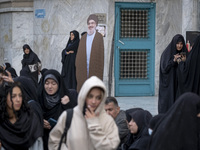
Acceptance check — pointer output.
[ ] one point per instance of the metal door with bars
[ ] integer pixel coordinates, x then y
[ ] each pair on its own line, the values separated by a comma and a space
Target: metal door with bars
134, 49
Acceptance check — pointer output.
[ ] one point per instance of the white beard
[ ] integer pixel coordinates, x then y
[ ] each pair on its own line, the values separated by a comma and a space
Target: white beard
91, 31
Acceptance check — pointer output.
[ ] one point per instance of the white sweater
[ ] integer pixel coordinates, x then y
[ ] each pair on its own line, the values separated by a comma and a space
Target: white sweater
98, 133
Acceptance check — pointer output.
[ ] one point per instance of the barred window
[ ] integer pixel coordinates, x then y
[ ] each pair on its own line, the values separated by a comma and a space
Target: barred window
134, 64
134, 23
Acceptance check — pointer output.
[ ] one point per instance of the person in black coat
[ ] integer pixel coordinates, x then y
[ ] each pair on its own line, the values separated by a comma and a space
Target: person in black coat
20, 125
168, 82
54, 98
179, 128
68, 60
31, 64
189, 71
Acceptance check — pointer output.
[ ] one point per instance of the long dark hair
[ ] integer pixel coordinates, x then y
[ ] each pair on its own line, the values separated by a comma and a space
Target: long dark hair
3, 102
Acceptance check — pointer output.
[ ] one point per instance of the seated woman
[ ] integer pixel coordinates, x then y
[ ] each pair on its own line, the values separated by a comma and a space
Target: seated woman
54, 98
20, 127
138, 125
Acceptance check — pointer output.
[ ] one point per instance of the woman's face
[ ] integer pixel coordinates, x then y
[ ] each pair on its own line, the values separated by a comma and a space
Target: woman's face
133, 127
26, 51
16, 99
94, 98
179, 46
72, 36
51, 86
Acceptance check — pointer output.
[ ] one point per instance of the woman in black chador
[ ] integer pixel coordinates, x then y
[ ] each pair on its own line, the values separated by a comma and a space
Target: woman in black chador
179, 128
31, 64
189, 71
175, 52
54, 98
68, 60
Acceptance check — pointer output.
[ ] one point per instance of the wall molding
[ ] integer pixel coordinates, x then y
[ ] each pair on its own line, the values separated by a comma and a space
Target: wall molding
8, 6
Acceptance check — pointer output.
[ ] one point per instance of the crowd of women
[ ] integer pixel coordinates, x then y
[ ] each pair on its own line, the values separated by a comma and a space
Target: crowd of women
33, 116
30, 107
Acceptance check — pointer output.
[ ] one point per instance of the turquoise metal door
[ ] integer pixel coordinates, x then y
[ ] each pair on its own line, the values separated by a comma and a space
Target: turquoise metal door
134, 49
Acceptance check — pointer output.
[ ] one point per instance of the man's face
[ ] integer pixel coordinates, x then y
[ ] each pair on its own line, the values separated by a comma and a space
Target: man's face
91, 26
112, 110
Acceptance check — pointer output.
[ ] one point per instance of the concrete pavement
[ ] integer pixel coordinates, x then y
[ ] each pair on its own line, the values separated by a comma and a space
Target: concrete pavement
149, 103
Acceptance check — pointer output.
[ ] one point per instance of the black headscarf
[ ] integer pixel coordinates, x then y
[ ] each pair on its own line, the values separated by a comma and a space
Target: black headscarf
30, 90
56, 110
155, 120
189, 71
168, 79
179, 128
142, 119
129, 112
25, 131
140, 139
11, 70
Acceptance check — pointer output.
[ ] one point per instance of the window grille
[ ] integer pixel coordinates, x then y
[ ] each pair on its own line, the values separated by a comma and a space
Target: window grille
134, 64
134, 23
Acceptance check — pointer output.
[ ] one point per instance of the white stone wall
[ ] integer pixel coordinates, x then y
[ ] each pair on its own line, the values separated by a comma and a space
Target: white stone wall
16, 29
5, 36
22, 34
51, 33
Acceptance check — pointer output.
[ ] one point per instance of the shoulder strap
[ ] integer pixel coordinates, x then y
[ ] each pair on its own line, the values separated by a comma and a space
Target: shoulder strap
67, 125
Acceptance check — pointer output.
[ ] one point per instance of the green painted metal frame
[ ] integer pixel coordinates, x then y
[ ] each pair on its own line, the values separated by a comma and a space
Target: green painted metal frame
135, 87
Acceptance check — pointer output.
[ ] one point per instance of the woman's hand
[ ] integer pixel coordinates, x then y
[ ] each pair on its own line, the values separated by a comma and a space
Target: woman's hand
46, 124
8, 78
71, 52
65, 100
183, 58
177, 57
